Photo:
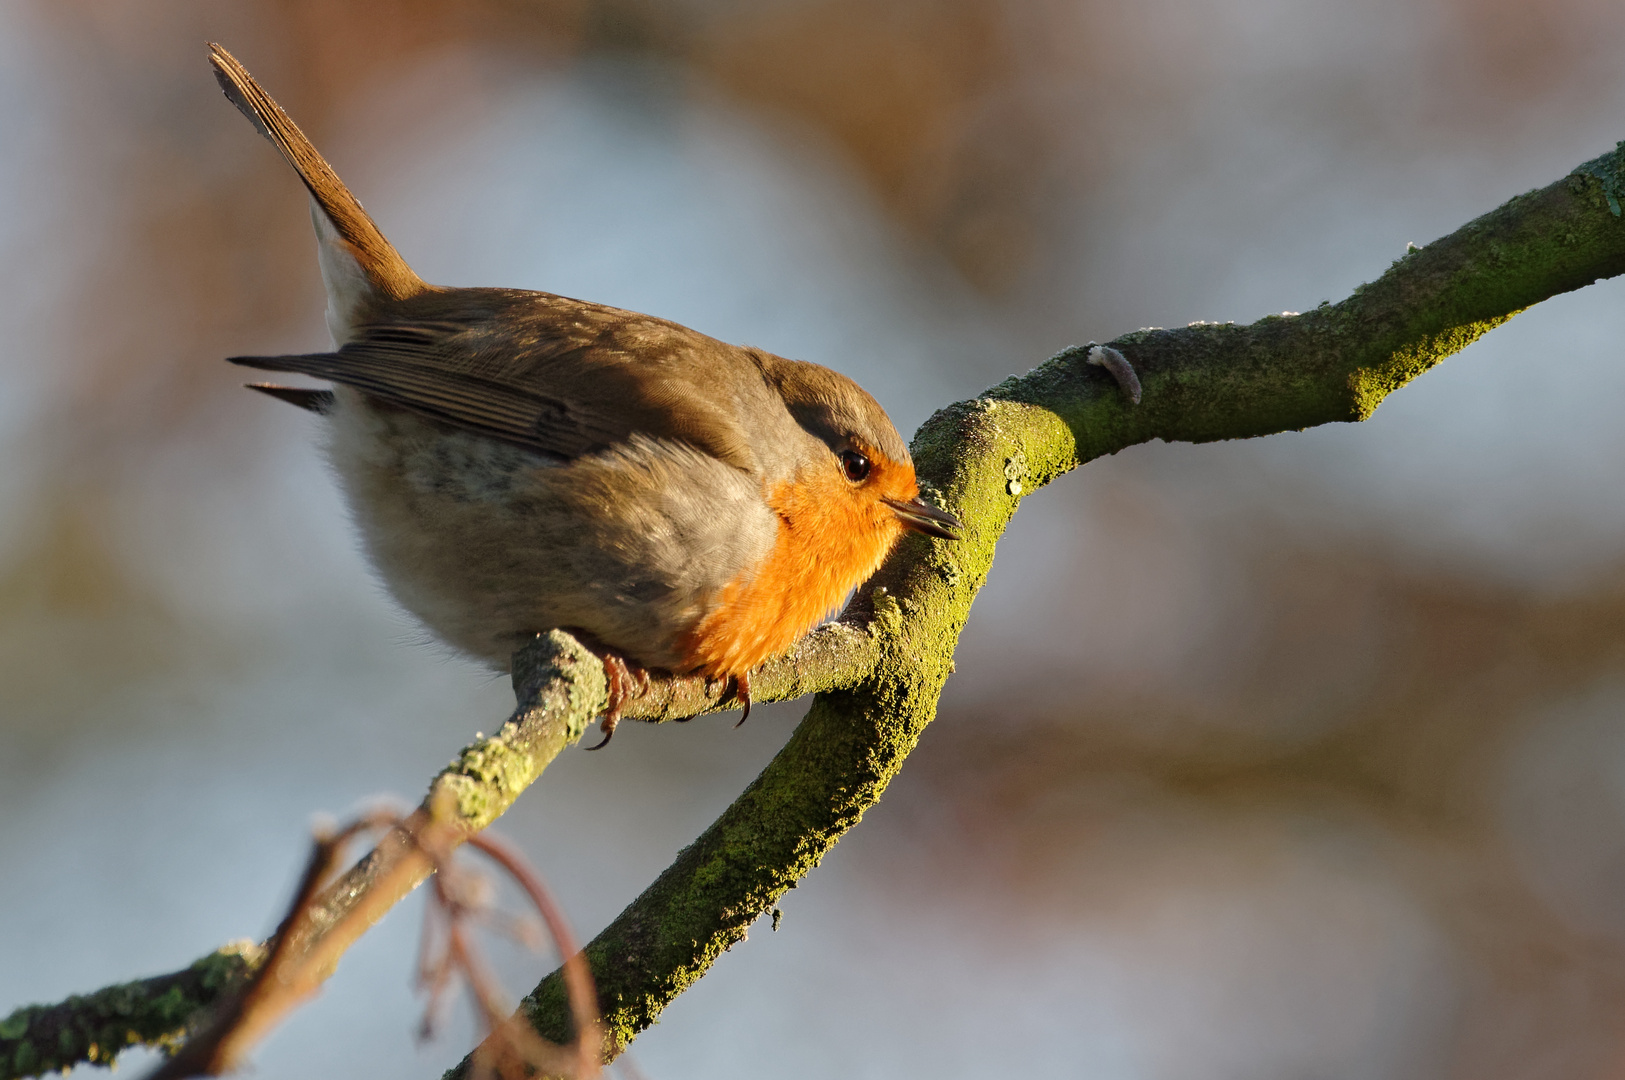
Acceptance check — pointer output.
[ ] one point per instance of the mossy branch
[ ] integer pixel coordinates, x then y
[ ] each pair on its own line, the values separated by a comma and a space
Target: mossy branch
880, 670
161, 1011
981, 457
560, 689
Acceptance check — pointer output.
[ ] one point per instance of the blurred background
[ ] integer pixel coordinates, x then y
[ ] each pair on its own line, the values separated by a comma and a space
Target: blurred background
1298, 758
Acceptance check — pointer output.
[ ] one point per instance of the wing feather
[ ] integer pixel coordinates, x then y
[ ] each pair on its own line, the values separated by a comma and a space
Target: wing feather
560, 377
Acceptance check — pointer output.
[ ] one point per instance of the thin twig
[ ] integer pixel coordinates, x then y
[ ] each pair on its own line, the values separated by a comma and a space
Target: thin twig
279, 986
292, 974
577, 974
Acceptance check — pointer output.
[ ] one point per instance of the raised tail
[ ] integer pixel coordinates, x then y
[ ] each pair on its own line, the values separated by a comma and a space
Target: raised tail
353, 234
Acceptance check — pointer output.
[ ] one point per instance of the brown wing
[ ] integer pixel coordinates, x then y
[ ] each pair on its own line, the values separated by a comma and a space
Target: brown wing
563, 377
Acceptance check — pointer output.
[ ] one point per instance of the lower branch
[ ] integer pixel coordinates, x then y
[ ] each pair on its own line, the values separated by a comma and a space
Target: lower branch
161, 1011
560, 689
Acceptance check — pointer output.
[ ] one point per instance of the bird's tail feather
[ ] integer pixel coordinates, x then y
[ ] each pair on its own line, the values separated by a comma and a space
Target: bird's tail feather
383, 266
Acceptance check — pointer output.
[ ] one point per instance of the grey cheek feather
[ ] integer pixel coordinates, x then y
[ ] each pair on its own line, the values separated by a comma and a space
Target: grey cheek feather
487, 543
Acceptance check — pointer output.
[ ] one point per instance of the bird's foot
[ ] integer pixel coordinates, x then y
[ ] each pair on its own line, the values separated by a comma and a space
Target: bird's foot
1119, 368
742, 694
627, 682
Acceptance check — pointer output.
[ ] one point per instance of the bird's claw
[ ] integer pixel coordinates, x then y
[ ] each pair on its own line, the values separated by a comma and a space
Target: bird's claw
626, 682
742, 694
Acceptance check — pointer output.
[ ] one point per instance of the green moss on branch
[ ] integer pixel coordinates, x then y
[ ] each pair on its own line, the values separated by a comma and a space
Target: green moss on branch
1201, 382
94, 1028
880, 670
560, 689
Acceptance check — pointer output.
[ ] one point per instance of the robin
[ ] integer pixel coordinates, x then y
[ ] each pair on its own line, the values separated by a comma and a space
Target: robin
518, 461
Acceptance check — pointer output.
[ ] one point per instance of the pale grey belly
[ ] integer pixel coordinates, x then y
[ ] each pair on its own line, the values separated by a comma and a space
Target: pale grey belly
488, 544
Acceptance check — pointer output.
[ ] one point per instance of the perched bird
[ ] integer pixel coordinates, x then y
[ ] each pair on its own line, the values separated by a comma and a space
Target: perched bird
518, 461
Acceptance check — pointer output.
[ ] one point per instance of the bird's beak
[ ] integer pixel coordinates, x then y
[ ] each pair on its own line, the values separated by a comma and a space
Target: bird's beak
922, 517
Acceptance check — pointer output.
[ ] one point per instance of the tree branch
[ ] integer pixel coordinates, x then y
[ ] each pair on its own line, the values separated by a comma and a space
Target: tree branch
560, 689
159, 1011
1201, 383
880, 670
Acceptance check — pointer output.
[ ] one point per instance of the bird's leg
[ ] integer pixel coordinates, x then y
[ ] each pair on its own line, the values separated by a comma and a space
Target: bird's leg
742, 694
627, 681
1118, 366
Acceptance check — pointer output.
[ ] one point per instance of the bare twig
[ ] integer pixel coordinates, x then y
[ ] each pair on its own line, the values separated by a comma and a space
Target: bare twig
293, 972
277, 988
577, 975
288, 977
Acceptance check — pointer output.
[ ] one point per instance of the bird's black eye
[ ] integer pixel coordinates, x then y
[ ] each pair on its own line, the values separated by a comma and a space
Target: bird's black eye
855, 465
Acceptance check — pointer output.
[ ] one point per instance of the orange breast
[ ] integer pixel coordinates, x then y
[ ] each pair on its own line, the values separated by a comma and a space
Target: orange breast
832, 536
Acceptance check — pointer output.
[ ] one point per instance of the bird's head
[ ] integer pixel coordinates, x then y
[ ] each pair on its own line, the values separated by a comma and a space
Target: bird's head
867, 467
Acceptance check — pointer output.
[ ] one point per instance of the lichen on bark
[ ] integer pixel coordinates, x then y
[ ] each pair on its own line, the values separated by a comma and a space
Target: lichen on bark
1200, 383
94, 1028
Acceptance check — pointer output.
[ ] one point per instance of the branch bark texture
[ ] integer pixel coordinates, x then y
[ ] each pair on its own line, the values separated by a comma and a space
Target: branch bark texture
880, 670
1201, 383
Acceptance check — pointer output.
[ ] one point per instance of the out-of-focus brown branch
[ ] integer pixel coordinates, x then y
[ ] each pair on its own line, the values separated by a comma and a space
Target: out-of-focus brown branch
560, 688
289, 975
299, 960
514, 1045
